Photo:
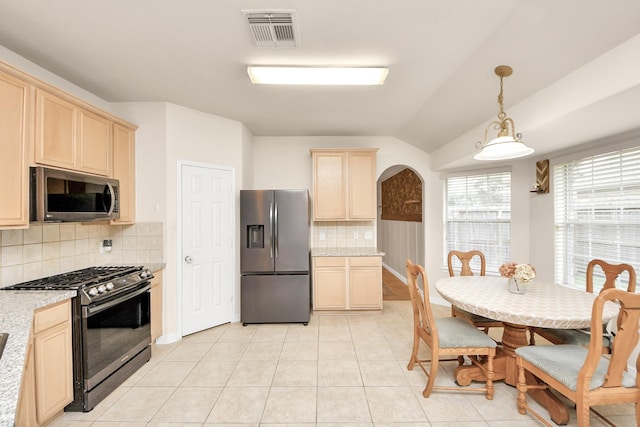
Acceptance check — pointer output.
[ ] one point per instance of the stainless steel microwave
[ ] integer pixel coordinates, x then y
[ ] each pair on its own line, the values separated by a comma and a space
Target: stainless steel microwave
61, 196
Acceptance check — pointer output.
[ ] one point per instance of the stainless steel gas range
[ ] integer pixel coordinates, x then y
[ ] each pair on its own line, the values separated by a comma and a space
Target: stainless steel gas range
111, 327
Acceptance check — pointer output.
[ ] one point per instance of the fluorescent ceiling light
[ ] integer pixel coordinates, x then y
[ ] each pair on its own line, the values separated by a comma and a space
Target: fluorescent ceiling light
317, 75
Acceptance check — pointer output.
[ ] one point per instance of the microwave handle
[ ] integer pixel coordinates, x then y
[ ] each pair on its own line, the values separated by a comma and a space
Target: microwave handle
113, 198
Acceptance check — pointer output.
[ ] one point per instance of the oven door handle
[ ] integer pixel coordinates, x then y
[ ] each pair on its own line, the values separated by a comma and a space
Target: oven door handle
98, 307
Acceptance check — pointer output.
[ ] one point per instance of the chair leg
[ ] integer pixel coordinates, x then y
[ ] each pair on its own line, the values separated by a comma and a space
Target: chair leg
490, 374
582, 412
414, 352
433, 370
522, 389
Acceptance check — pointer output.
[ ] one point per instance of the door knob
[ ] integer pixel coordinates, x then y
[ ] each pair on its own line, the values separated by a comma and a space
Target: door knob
188, 259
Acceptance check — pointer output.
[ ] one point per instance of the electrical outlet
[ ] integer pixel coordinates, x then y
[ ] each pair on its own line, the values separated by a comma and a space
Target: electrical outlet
106, 245
322, 235
356, 235
368, 235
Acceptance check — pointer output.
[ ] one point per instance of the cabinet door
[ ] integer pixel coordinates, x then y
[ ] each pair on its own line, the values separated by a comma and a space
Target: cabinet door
14, 140
94, 143
329, 186
156, 306
365, 282
365, 288
26, 413
329, 289
53, 371
56, 131
362, 185
124, 161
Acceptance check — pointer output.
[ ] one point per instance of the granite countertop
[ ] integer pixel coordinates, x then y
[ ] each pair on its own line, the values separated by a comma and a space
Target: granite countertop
16, 317
155, 267
342, 251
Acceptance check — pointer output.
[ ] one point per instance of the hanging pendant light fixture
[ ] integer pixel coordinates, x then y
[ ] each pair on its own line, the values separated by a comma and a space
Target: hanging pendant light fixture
507, 144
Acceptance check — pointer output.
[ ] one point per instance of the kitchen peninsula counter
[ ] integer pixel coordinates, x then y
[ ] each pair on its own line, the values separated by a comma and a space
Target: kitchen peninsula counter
343, 251
16, 318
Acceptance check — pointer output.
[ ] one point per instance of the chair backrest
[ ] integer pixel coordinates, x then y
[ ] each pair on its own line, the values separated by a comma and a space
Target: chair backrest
423, 321
465, 258
623, 343
611, 272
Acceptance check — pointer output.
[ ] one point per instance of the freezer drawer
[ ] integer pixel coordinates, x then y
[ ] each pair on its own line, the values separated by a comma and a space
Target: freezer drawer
275, 299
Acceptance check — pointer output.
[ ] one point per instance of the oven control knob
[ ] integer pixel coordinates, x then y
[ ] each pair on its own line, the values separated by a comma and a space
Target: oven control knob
144, 274
109, 286
93, 292
102, 289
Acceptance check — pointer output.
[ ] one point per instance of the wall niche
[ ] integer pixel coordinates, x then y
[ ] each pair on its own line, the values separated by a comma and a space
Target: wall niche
401, 197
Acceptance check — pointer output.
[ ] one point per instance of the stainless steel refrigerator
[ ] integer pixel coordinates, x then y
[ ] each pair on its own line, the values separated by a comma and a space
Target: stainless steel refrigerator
274, 259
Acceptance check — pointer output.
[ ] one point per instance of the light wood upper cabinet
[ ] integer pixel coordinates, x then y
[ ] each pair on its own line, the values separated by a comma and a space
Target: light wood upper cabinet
94, 143
362, 185
70, 137
124, 170
344, 184
55, 131
15, 140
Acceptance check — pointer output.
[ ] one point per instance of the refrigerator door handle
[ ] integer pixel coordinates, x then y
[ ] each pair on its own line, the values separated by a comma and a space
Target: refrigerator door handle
271, 230
275, 222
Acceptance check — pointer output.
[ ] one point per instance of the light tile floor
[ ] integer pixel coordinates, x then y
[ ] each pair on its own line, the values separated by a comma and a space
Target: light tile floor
340, 370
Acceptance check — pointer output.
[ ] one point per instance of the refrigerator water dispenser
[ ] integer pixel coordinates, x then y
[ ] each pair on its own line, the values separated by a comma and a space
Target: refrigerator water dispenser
255, 236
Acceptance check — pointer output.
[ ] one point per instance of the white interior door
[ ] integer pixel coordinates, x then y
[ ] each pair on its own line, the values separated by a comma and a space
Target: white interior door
207, 247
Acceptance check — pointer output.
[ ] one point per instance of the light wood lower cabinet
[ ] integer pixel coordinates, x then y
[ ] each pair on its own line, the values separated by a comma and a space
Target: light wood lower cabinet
47, 385
156, 306
347, 283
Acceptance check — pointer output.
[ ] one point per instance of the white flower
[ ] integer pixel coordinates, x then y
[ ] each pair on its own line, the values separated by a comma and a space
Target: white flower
524, 273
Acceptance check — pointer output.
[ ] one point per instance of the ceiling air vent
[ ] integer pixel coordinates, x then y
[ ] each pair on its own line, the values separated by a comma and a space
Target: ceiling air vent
273, 28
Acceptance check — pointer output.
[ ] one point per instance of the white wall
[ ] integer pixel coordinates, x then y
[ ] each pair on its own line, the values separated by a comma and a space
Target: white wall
151, 151
169, 133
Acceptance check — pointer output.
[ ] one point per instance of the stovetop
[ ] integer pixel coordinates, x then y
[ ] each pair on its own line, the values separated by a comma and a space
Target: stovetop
91, 283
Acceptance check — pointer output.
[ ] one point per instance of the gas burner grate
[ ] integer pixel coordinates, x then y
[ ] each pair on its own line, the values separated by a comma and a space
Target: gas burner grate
77, 279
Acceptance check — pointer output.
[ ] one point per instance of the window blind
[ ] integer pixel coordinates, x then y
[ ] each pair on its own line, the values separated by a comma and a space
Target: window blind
478, 216
597, 215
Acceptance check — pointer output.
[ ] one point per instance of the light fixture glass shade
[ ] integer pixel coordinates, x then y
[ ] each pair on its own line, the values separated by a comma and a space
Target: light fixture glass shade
317, 75
503, 148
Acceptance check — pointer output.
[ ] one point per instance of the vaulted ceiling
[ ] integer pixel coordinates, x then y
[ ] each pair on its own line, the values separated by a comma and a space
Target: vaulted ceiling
573, 61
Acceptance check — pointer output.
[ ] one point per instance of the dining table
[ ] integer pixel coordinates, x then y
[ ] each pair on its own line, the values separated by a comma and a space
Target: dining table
542, 304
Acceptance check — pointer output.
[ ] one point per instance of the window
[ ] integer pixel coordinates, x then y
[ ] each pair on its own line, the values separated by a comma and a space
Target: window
478, 216
597, 213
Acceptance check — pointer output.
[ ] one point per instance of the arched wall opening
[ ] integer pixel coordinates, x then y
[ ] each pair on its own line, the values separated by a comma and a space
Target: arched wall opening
401, 230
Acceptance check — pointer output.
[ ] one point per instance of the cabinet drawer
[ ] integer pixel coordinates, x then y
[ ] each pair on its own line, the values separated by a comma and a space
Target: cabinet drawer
365, 261
49, 316
329, 261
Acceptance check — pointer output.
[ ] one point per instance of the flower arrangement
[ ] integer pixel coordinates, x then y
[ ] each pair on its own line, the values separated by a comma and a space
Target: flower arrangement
522, 273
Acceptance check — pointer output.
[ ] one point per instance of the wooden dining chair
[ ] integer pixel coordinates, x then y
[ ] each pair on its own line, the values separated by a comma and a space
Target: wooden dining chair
445, 337
586, 376
465, 259
582, 336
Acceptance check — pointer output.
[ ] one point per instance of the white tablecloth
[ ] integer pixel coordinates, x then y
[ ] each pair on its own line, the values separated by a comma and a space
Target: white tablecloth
543, 304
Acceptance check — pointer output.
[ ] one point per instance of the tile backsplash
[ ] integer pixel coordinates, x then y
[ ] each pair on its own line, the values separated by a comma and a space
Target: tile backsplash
46, 249
344, 234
